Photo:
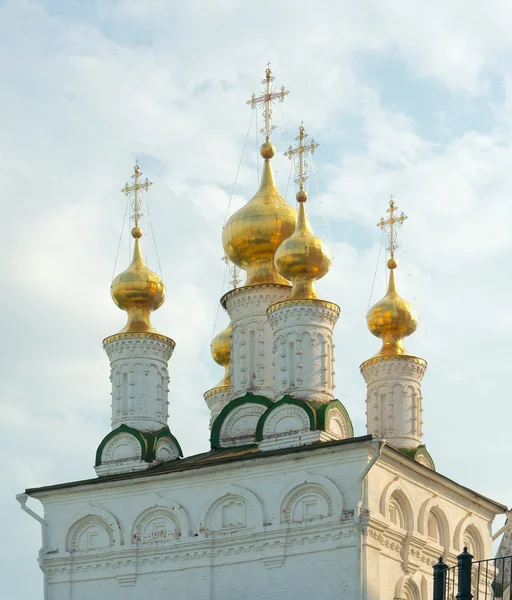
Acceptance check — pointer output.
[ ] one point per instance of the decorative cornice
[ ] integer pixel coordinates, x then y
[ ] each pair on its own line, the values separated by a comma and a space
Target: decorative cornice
143, 335
220, 389
398, 357
304, 302
262, 286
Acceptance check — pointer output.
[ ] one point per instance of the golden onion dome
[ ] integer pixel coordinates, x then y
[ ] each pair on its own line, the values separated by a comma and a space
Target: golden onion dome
303, 258
254, 233
138, 291
392, 319
221, 353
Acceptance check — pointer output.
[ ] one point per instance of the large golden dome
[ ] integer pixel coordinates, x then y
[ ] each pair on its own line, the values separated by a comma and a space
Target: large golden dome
392, 319
138, 291
254, 233
303, 258
221, 353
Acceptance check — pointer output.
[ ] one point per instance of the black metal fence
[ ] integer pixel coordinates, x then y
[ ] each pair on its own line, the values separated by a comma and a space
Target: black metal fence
470, 579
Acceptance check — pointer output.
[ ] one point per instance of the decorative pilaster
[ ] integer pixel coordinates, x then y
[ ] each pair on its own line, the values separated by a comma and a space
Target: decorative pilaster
394, 399
252, 368
139, 376
304, 348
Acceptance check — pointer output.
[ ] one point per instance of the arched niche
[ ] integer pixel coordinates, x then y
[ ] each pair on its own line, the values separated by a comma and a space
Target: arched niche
468, 534
310, 498
407, 589
432, 515
238, 509
93, 531
165, 522
396, 506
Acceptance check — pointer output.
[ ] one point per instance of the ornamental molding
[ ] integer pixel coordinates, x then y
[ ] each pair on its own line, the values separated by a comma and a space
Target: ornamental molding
310, 493
302, 316
312, 483
239, 426
218, 392
166, 526
149, 348
266, 288
238, 509
151, 558
140, 336
396, 362
299, 304
166, 450
122, 447
296, 417
338, 424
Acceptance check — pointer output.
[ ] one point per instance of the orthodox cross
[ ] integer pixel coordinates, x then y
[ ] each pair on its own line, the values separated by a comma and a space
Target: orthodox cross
234, 272
301, 150
267, 98
135, 190
390, 224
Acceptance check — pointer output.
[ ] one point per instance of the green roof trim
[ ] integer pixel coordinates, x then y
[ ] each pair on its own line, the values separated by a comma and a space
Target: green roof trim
146, 439
415, 453
248, 398
165, 432
324, 410
285, 400
123, 429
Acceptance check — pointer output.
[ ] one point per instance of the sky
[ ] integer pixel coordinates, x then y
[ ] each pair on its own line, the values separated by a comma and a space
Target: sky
404, 98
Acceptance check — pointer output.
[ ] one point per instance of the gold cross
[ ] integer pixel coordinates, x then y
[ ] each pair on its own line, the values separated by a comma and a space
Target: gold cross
301, 150
234, 271
394, 220
135, 189
267, 98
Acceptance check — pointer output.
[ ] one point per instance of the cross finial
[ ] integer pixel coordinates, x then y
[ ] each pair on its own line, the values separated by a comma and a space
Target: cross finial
135, 190
268, 98
301, 150
234, 272
390, 224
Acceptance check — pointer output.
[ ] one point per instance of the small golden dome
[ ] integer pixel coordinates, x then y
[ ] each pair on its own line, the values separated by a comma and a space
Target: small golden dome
254, 233
303, 258
138, 291
221, 352
392, 319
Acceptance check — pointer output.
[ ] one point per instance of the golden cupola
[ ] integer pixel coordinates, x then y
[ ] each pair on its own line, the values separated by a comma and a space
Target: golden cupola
221, 353
392, 319
303, 258
254, 233
137, 290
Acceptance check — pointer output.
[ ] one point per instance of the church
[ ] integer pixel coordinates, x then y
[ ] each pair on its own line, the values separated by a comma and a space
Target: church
287, 503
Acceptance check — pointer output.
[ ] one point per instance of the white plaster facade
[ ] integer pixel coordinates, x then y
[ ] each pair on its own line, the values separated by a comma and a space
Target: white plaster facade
262, 526
304, 348
394, 399
252, 340
139, 376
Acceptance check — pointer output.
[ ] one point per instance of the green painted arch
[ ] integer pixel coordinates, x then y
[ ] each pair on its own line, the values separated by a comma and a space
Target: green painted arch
325, 409
123, 429
164, 432
219, 421
414, 453
285, 400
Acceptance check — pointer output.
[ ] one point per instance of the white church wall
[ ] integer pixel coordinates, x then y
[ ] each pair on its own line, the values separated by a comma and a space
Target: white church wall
275, 521
272, 527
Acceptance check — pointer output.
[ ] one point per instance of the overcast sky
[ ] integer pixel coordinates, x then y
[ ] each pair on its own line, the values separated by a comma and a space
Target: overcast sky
405, 98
